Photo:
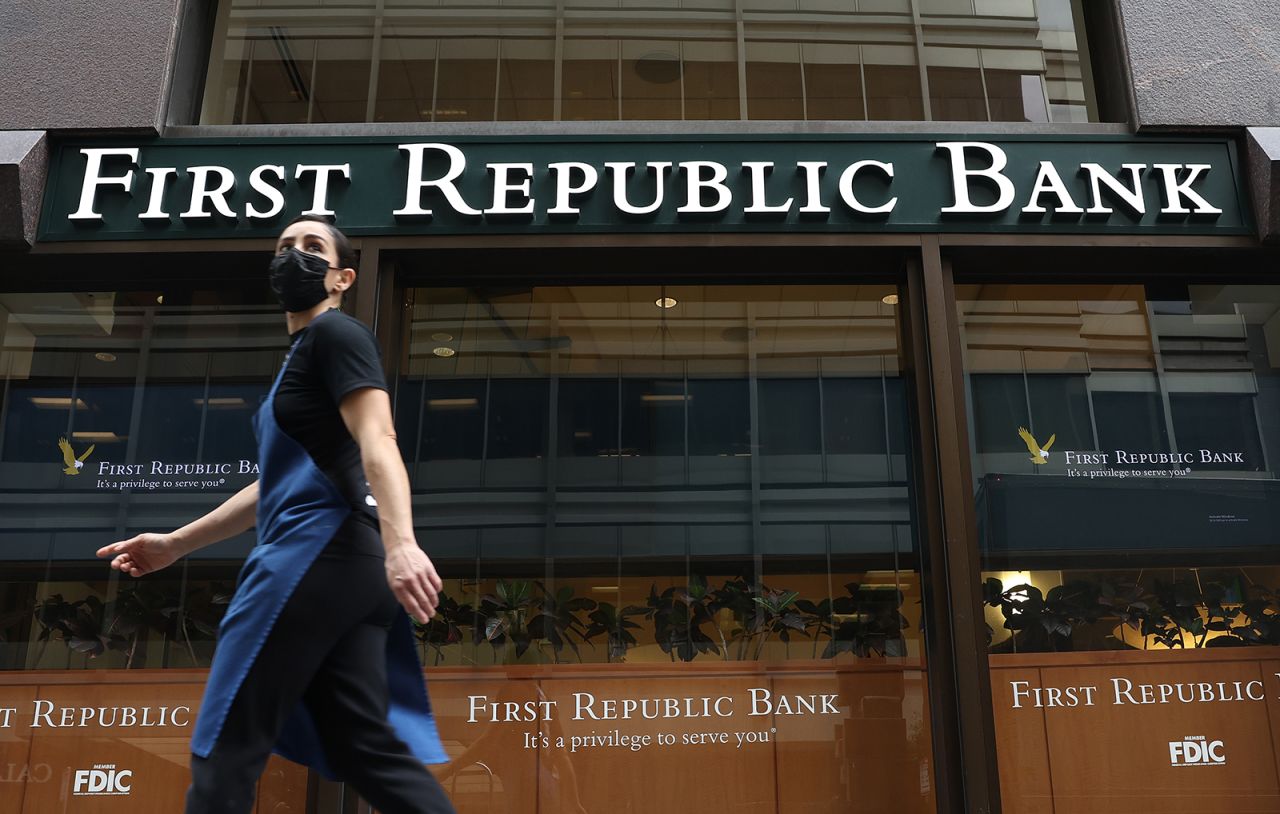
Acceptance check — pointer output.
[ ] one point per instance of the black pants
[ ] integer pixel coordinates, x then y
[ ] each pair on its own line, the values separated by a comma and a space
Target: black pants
327, 650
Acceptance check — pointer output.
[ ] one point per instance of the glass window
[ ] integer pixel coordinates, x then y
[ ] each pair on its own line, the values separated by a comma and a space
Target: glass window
1126, 441
833, 82
589, 88
466, 81
282, 61
775, 81
123, 411
956, 90
711, 81
651, 80
729, 486
893, 83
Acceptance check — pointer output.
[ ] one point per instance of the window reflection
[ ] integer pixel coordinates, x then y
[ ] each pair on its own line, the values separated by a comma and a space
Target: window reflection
633, 452
1136, 400
1125, 447
110, 402
277, 62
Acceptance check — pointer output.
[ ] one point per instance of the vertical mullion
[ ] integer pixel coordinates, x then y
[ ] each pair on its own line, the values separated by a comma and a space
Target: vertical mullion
212, 107
862, 78
684, 408
1084, 55
557, 66
959, 681
741, 34
497, 81
804, 88
435, 83
618, 430
918, 31
375, 58
204, 408
1162, 384
680, 50
553, 445
753, 394
4, 395
311, 92
135, 412
982, 77
248, 83
487, 411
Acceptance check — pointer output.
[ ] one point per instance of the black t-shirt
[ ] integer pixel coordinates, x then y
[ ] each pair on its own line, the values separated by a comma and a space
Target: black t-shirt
333, 356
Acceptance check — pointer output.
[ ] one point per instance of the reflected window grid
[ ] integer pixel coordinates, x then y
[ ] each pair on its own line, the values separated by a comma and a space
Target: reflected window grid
118, 381
291, 63
1119, 371
561, 409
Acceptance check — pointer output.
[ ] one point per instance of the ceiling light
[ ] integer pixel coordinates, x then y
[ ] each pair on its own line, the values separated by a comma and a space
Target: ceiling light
228, 403
159, 299
889, 299
99, 437
451, 404
604, 588
443, 353
666, 302
664, 397
103, 356
442, 337
57, 403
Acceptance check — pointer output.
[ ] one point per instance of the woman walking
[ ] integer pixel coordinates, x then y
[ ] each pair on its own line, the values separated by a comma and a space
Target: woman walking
315, 656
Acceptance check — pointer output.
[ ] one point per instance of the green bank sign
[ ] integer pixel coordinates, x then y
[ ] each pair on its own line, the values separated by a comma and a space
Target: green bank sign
424, 186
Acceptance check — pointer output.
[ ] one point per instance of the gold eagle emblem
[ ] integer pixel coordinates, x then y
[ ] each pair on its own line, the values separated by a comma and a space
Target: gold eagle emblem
73, 464
1039, 454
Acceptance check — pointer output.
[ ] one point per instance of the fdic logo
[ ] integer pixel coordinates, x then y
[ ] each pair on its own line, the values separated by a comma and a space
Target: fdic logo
1196, 750
103, 779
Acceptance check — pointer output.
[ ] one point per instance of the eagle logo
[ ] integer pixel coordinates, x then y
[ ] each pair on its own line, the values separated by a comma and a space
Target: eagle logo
73, 465
1039, 454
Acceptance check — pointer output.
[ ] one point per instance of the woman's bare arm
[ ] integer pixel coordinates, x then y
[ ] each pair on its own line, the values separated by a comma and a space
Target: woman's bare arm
412, 577
150, 552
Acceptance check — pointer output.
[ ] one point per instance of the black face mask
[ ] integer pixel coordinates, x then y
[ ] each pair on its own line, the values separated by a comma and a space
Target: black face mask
297, 278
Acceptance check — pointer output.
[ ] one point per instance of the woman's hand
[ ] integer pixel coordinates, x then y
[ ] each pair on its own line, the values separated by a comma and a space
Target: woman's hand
142, 554
414, 581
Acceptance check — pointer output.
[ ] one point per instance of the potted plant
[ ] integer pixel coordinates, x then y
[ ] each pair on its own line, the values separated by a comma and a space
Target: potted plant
678, 616
607, 618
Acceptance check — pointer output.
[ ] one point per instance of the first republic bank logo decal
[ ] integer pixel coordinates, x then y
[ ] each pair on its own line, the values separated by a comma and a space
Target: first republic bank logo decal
155, 474
1094, 464
103, 780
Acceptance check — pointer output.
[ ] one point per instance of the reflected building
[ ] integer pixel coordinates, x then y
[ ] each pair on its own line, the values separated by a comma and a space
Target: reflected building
919, 432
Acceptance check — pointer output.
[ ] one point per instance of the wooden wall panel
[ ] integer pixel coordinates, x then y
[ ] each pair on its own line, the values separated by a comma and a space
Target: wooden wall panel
1271, 673
872, 754
1021, 747
491, 771
156, 755
660, 778
17, 771
1116, 756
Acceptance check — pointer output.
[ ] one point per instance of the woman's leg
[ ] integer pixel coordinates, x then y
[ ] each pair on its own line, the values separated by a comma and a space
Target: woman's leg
348, 702
318, 614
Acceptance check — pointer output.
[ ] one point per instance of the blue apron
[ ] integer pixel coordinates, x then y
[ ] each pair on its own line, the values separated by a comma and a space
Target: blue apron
299, 509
